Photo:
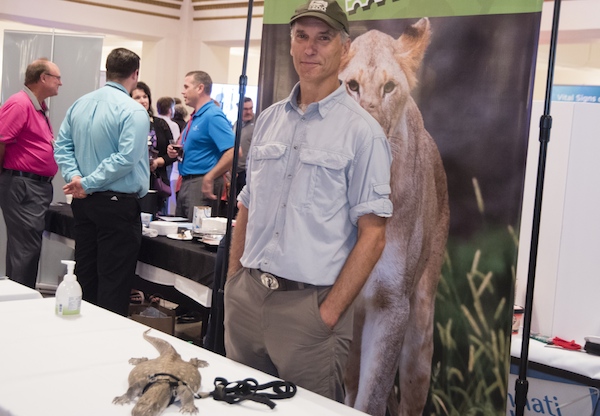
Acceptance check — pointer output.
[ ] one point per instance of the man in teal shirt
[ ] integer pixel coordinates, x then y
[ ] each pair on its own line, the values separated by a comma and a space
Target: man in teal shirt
102, 153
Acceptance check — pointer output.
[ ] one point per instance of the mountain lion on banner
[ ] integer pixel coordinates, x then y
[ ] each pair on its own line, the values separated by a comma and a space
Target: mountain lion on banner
394, 318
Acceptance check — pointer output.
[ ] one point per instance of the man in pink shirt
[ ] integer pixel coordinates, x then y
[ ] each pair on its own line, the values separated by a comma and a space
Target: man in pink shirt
27, 167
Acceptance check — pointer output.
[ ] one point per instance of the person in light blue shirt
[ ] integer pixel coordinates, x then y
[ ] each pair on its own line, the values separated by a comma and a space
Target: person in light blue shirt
312, 217
102, 152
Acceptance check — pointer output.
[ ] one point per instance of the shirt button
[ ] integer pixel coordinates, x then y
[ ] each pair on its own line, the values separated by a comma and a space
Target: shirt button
283, 205
276, 234
296, 147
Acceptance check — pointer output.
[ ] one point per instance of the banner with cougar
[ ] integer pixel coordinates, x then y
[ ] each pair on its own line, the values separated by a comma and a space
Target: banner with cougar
451, 83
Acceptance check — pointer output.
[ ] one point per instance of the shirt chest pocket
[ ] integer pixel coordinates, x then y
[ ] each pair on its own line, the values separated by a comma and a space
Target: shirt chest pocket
320, 183
267, 166
268, 155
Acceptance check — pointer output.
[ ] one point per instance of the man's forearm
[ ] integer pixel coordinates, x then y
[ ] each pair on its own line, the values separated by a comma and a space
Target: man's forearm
363, 257
238, 240
222, 166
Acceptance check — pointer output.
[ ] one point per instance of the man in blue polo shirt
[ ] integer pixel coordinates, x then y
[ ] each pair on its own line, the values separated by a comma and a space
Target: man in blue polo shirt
207, 144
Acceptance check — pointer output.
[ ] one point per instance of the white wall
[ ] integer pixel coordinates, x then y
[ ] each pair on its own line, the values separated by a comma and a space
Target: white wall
566, 283
169, 48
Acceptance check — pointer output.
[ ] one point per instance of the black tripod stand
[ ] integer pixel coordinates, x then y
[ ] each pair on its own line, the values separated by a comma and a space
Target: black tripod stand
214, 338
522, 385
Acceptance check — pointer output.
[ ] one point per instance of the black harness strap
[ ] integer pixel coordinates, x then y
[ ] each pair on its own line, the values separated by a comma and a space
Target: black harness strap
173, 382
248, 389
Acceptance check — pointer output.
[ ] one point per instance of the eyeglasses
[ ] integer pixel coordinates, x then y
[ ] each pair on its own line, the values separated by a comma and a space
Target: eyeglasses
52, 75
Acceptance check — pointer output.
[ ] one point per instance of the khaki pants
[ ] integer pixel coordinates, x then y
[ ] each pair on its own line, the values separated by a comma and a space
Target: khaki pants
281, 333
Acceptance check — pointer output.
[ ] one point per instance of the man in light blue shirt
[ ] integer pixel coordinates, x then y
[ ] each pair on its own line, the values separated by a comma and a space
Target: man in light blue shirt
312, 216
102, 151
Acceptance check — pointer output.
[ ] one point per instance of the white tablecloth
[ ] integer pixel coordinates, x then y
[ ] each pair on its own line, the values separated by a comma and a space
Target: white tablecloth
11, 290
75, 366
577, 362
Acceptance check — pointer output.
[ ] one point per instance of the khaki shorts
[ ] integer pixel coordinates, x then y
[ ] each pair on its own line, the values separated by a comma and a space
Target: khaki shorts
280, 332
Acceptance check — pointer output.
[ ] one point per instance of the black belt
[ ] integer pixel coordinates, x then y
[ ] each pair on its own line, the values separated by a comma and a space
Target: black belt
119, 194
273, 282
29, 175
186, 177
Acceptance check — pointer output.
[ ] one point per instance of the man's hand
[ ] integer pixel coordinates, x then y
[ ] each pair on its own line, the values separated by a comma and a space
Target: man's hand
222, 166
74, 188
171, 151
359, 264
208, 187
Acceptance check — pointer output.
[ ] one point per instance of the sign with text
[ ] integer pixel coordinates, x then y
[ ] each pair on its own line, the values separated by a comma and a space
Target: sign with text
547, 397
576, 93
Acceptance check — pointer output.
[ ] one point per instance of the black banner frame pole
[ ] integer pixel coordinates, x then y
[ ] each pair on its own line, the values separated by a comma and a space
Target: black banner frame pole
522, 385
232, 198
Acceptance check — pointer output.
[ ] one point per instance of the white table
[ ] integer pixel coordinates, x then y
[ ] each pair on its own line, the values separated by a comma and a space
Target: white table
11, 290
576, 362
564, 377
75, 366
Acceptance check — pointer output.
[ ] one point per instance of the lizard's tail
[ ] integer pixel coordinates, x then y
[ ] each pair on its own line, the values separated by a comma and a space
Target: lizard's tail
160, 344
154, 400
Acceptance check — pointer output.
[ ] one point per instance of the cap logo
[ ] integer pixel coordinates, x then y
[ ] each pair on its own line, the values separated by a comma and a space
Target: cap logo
318, 5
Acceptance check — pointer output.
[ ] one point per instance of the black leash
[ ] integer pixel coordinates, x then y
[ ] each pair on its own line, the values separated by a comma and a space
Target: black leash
249, 389
173, 382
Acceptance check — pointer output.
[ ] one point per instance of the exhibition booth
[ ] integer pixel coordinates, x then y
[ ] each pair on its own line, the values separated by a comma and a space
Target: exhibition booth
473, 86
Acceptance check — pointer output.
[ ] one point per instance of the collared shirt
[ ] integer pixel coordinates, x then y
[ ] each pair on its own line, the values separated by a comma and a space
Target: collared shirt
206, 137
310, 176
245, 140
27, 134
172, 125
104, 139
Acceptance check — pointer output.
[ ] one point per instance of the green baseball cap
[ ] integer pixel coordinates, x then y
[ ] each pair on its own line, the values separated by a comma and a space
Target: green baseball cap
327, 10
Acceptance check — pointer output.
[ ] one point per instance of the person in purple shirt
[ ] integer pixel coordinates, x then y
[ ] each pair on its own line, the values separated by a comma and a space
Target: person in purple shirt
27, 168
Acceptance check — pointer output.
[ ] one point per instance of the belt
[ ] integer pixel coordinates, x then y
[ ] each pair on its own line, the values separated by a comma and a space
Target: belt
118, 194
33, 176
273, 282
186, 177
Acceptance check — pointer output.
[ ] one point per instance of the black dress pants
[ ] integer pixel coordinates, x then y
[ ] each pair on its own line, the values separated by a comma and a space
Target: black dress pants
108, 235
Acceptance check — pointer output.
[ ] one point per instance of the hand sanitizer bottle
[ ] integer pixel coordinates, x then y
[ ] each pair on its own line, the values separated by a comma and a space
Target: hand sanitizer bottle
68, 293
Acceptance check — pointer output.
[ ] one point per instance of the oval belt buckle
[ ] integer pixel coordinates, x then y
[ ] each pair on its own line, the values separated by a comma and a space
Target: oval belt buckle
269, 281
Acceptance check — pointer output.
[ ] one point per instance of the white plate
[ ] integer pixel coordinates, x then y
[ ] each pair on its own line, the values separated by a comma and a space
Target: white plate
179, 237
210, 241
206, 231
172, 219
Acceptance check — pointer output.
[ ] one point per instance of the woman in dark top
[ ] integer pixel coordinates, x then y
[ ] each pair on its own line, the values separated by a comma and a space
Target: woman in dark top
159, 137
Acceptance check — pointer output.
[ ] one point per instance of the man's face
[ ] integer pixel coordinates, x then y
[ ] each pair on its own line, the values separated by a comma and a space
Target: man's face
316, 50
51, 79
247, 112
191, 91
